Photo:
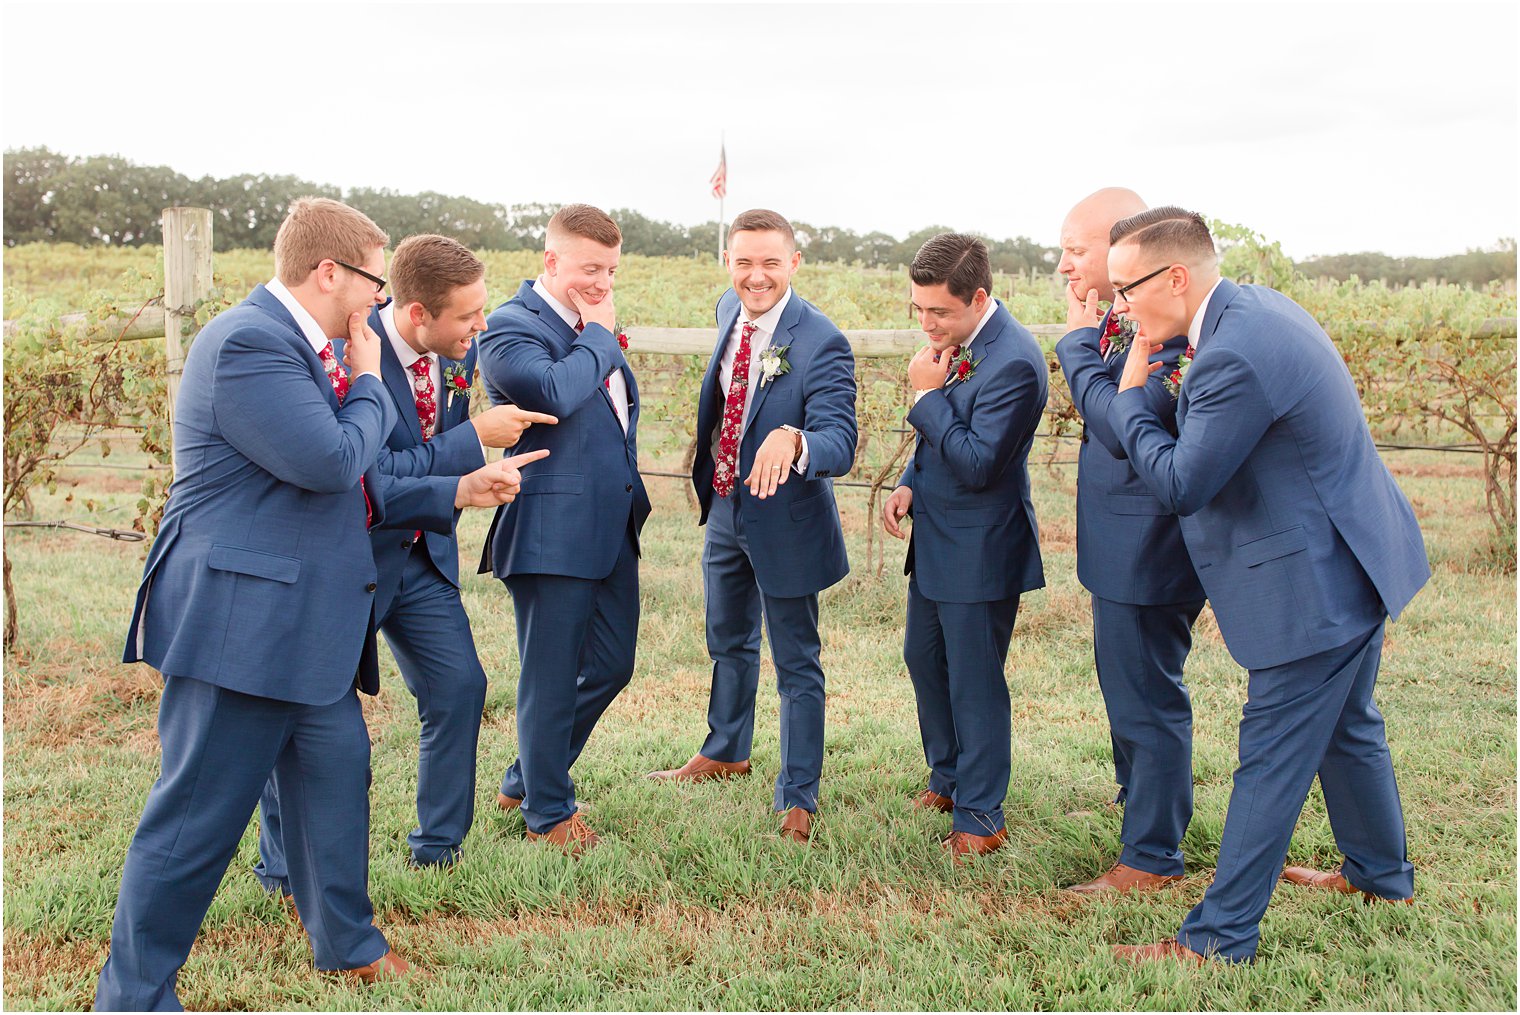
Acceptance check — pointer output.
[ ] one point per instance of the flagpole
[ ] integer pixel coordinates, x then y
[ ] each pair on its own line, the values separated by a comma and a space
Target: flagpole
723, 149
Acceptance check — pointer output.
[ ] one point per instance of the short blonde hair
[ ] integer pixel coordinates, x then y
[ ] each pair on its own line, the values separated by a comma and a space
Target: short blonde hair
318, 228
427, 268
583, 220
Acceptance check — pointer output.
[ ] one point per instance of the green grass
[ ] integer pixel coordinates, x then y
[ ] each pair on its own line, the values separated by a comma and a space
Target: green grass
694, 903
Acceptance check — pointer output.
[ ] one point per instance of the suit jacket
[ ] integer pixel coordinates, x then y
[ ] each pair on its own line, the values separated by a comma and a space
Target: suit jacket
974, 537
577, 504
798, 527
1301, 536
1129, 547
261, 579
453, 451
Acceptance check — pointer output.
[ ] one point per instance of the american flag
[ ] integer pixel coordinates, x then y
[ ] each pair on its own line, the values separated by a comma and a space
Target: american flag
719, 179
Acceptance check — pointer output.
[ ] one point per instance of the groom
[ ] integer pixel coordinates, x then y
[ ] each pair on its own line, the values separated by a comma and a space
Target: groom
775, 423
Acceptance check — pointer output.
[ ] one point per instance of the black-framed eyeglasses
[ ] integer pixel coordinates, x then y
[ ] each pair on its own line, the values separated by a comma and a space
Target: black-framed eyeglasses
1123, 291
379, 282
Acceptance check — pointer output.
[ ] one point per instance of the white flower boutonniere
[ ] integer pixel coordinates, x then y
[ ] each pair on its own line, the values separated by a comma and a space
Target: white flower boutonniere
773, 363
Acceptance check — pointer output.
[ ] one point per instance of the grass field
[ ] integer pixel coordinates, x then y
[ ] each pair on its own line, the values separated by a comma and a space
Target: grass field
694, 903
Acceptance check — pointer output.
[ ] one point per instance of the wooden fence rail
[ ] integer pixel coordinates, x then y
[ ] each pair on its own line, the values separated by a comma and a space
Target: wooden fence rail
867, 344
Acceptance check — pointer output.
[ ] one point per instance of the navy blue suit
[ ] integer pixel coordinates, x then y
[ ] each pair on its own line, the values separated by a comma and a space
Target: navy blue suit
772, 557
567, 547
1305, 545
417, 607
256, 605
1145, 597
973, 550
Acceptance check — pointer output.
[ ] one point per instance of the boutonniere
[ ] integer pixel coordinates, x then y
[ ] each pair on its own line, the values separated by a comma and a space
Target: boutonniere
1118, 333
961, 367
456, 380
1173, 380
773, 363
622, 337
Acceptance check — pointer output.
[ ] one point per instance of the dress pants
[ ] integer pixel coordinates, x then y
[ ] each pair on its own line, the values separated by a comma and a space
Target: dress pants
1313, 715
1139, 651
576, 639
429, 634
735, 606
955, 654
218, 749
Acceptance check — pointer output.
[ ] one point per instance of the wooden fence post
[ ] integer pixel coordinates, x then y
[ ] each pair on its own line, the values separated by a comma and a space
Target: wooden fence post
187, 281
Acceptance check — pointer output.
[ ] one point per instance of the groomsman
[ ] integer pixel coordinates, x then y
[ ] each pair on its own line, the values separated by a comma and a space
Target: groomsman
427, 361
777, 404
256, 604
979, 391
1130, 556
568, 548
1305, 546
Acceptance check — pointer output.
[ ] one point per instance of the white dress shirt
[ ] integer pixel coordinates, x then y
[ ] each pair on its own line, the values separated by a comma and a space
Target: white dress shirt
407, 355
307, 323
617, 385
1195, 327
760, 340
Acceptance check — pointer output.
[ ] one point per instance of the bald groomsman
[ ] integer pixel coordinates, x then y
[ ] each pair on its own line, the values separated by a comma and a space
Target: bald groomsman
1130, 556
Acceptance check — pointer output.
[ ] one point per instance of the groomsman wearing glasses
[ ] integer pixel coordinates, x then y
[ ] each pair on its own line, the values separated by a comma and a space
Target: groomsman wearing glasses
979, 392
1305, 546
1130, 556
568, 549
775, 423
256, 605
428, 364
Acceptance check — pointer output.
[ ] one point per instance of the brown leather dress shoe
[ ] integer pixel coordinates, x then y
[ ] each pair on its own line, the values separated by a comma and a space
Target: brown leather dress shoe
965, 845
1121, 878
1160, 951
1331, 881
797, 825
929, 800
508, 803
572, 835
389, 966
699, 769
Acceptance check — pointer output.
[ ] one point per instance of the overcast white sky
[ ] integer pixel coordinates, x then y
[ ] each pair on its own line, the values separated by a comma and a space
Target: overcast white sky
1331, 127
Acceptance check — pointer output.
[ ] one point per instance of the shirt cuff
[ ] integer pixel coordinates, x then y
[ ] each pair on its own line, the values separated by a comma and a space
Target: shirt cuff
918, 395
801, 465
365, 373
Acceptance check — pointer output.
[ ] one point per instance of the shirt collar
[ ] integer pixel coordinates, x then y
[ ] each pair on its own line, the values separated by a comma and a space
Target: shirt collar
1195, 329
405, 353
768, 321
307, 323
992, 306
567, 314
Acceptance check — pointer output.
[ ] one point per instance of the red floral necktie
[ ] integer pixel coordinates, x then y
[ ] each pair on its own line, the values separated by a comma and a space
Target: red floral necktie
427, 398
733, 418
340, 388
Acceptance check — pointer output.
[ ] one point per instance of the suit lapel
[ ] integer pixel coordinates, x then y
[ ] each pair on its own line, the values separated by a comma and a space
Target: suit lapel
396, 379
270, 305
782, 338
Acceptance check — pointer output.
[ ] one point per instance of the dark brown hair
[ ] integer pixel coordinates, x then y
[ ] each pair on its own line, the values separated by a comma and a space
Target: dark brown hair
587, 221
1173, 232
956, 260
428, 268
764, 220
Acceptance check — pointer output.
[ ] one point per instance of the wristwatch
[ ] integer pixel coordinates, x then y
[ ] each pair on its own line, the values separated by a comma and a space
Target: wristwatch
797, 449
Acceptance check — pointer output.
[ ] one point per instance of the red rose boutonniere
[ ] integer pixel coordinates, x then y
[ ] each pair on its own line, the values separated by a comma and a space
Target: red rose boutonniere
457, 381
622, 337
1118, 333
961, 367
1173, 380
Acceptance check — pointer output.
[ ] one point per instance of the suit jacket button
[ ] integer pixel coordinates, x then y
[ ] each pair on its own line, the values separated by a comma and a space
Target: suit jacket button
405, 543
628, 488
370, 587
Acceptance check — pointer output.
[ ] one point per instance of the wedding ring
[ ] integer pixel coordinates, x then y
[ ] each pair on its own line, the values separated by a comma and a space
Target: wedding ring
775, 468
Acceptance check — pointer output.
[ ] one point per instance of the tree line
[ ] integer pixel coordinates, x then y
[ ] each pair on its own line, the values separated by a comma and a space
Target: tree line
108, 200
